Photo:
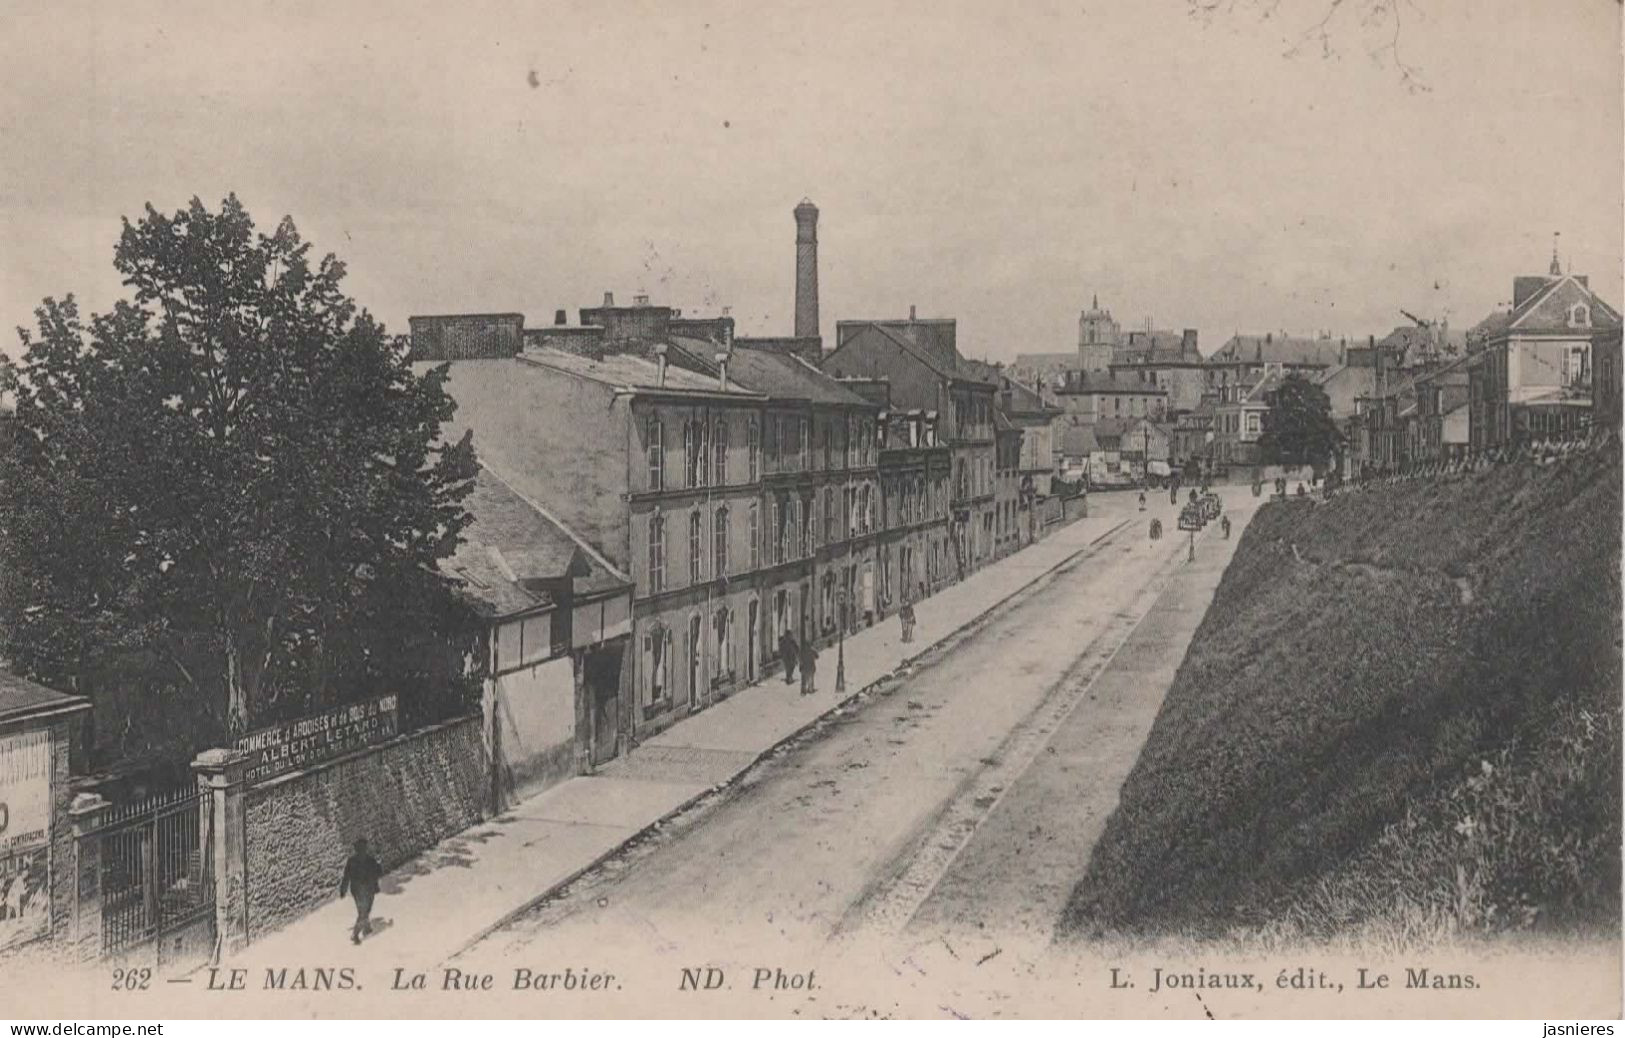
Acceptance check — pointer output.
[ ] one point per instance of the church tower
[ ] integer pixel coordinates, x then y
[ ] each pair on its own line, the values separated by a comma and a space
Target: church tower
1098, 335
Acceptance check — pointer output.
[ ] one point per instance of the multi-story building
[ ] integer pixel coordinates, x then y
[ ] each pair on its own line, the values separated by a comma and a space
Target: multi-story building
1245, 359
920, 360
915, 470
1529, 368
1036, 461
1439, 429
736, 486
1088, 397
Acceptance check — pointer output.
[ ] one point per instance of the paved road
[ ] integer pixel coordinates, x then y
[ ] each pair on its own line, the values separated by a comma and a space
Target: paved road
918, 807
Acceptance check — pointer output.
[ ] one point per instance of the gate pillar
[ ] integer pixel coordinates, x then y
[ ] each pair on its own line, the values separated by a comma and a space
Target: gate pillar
222, 781
86, 814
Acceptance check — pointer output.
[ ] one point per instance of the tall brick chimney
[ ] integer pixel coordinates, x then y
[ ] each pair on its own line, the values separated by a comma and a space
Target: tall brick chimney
806, 270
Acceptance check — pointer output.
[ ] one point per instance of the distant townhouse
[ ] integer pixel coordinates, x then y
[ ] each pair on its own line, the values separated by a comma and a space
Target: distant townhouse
1089, 397
1529, 367
920, 360
1244, 360
1036, 462
1440, 431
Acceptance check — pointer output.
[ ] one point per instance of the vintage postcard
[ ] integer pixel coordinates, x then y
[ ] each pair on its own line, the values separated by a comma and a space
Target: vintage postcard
811, 510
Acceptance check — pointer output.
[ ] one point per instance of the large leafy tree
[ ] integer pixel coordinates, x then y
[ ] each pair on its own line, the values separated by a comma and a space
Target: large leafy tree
1298, 427
235, 475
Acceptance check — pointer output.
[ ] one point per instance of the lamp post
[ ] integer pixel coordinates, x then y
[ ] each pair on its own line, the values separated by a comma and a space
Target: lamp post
840, 646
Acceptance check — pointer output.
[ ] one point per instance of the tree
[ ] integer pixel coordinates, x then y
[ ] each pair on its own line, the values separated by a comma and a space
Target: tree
1298, 427
235, 474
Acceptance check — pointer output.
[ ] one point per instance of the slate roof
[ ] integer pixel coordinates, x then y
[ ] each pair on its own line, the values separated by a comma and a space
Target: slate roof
953, 367
787, 377
1025, 400
21, 699
1276, 349
628, 371
510, 545
1538, 314
1077, 440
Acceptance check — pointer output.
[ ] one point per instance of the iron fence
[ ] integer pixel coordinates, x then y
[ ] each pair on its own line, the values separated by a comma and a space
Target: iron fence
154, 870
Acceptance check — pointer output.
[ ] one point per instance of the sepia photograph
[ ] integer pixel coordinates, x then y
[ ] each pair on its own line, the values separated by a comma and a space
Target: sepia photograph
826, 511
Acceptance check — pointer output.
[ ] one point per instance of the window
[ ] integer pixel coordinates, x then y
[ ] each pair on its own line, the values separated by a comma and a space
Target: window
752, 449
657, 552
691, 460
1576, 366
754, 530
702, 450
719, 540
809, 528
721, 440
657, 651
829, 515
778, 530
1579, 316
696, 548
657, 455
723, 625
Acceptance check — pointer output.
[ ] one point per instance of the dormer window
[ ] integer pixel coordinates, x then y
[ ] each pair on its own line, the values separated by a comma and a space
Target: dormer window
1579, 316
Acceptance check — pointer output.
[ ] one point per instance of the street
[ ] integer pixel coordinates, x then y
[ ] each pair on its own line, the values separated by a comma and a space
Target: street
965, 794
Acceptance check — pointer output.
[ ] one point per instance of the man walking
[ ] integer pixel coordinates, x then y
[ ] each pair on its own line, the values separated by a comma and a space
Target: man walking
809, 667
361, 875
787, 653
906, 616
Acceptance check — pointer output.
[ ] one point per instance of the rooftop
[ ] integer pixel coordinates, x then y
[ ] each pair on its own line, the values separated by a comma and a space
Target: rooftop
1278, 349
511, 547
21, 699
786, 376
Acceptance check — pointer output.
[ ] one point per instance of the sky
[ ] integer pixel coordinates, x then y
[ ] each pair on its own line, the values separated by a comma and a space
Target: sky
999, 163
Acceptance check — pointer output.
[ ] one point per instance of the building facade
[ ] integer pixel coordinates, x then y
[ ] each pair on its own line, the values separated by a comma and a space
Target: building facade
920, 361
1530, 367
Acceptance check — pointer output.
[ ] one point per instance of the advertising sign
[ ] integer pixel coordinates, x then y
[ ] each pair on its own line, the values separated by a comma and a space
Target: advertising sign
25, 790
25, 825
299, 744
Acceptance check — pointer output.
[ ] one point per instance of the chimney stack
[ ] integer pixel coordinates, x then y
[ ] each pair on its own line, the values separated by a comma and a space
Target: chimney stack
911, 311
806, 270
660, 360
560, 317
609, 299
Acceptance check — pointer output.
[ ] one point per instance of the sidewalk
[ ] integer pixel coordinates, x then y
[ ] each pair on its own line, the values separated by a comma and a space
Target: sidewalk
441, 902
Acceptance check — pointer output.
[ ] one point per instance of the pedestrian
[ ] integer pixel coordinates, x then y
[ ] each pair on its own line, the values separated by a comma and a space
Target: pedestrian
787, 653
906, 617
361, 875
1142, 500
1173, 495
809, 667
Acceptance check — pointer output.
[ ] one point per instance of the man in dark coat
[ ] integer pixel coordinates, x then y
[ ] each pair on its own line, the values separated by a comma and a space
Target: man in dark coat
787, 653
361, 875
809, 666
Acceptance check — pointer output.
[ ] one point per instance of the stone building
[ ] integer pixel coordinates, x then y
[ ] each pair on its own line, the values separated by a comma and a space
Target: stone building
1529, 367
736, 487
920, 360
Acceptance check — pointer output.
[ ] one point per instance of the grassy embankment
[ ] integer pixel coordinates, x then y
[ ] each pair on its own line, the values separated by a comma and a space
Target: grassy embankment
1399, 722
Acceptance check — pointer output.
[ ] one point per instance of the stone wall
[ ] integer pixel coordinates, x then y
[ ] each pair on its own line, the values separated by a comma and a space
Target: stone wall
404, 796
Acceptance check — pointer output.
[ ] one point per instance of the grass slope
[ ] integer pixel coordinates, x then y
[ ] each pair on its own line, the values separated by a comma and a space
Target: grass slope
1400, 717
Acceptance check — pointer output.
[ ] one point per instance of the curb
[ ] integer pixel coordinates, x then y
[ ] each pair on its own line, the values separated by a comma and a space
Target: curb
771, 750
